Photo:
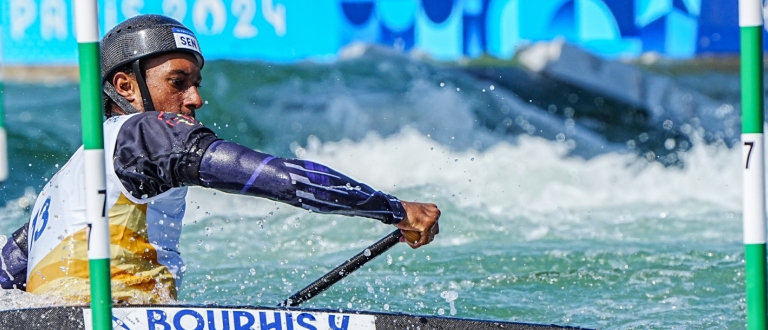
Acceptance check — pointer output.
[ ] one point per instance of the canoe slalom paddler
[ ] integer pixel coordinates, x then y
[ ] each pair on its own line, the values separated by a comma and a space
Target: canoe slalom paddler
155, 149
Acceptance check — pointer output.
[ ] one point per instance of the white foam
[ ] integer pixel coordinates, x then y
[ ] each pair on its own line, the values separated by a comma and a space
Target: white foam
534, 174
15, 299
526, 191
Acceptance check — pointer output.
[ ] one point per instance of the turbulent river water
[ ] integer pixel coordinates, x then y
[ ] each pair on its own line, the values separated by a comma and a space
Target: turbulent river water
562, 202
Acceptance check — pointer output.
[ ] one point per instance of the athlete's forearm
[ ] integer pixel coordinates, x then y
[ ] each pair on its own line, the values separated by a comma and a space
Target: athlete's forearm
233, 168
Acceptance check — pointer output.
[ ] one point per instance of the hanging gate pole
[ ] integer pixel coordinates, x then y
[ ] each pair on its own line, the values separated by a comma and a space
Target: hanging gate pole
3, 134
751, 23
87, 26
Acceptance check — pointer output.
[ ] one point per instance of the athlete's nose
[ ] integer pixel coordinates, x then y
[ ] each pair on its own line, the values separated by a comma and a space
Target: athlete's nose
193, 101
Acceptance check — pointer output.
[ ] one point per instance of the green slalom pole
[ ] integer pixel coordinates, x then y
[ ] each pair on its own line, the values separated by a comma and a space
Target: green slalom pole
751, 23
86, 16
3, 134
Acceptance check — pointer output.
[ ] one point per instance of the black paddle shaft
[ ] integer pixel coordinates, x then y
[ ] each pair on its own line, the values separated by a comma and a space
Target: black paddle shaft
343, 270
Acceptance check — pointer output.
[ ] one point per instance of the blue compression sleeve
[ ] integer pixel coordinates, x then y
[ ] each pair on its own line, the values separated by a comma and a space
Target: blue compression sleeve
230, 167
155, 152
13, 273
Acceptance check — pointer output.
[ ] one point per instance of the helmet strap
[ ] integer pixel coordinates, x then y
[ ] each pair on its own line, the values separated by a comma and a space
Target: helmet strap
121, 102
146, 98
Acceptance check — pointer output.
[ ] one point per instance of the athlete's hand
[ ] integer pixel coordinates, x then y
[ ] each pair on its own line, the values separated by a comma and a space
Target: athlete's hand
421, 218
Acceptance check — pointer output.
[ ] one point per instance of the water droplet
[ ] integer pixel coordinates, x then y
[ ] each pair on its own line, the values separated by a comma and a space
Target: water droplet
449, 295
367, 252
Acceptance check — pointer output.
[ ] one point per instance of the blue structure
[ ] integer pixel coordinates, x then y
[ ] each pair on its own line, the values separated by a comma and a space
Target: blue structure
42, 32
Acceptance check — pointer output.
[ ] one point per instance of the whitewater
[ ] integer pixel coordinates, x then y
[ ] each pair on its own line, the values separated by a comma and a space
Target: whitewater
547, 217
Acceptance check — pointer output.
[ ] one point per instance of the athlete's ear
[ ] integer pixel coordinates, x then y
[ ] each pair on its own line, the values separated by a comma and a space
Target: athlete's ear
125, 85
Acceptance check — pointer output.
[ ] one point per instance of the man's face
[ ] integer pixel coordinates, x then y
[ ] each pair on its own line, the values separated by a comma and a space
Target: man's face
173, 80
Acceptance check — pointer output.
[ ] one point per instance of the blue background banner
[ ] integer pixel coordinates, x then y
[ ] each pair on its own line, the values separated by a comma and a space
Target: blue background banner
37, 32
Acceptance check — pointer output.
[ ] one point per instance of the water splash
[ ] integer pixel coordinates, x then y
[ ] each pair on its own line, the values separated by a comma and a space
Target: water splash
450, 297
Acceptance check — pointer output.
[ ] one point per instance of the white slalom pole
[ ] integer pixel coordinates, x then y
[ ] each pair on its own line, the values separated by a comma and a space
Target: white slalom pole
86, 14
753, 141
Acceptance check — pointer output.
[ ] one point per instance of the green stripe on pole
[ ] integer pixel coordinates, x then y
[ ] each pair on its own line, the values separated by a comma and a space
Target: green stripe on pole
2, 99
752, 79
2, 104
101, 294
2, 82
91, 95
3, 132
750, 19
754, 258
95, 179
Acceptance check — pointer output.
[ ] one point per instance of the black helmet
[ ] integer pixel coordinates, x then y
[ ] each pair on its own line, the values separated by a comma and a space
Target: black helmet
139, 37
